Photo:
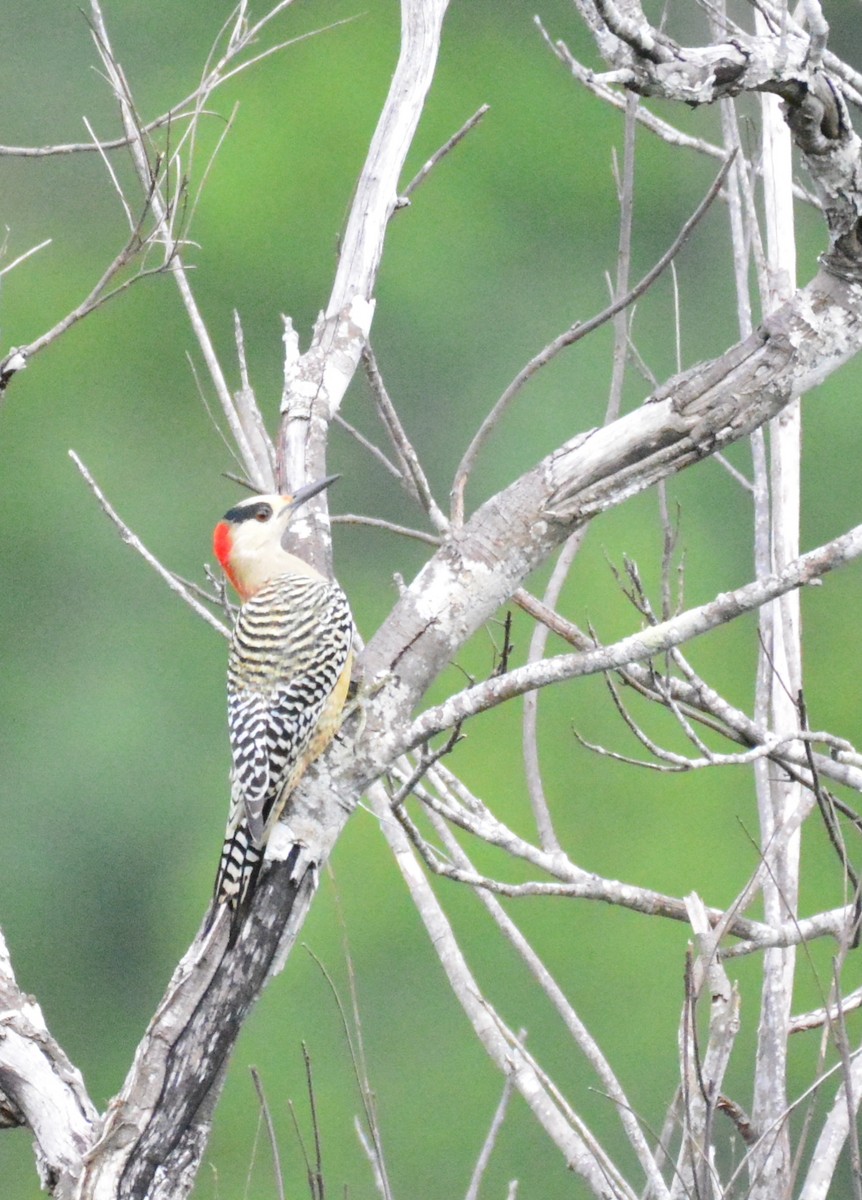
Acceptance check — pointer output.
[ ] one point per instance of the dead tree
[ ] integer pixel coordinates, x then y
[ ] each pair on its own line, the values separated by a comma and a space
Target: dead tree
149, 1142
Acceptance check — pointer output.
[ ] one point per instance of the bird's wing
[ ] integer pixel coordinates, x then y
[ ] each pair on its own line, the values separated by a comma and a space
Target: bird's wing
248, 722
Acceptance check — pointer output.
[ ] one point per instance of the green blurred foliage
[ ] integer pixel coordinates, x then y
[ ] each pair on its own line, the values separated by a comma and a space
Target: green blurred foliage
113, 790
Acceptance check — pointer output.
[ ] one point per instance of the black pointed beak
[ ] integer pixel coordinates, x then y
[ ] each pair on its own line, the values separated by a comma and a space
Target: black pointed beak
310, 489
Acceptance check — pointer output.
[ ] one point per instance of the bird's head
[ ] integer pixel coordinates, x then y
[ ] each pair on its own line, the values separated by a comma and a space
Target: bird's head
249, 539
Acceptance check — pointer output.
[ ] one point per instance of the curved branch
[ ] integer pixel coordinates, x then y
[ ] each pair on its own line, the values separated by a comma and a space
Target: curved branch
156, 1129
576, 333
315, 383
689, 418
40, 1087
648, 643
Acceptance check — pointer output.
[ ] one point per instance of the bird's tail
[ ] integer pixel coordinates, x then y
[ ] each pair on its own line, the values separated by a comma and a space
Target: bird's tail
237, 875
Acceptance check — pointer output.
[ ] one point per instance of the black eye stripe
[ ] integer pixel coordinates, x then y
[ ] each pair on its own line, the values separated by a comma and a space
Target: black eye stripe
248, 512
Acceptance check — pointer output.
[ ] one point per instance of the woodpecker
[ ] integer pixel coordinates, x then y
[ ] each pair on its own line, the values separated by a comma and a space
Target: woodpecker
288, 673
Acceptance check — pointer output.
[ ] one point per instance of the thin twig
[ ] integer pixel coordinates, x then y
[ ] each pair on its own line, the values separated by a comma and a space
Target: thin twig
575, 1027
851, 1100
368, 1094
574, 334
819, 1017
257, 471
101, 293
447, 146
491, 1138
625, 189
742, 479
418, 535
530, 731
23, 257
270, 1129
357, 1056
575, 882
639, 646
131, 539
112, 175
315, 1123
368, 445
413, 475
602, 86
309, 1171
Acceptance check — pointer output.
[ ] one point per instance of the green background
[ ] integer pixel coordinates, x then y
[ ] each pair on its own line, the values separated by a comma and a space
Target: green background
113, 787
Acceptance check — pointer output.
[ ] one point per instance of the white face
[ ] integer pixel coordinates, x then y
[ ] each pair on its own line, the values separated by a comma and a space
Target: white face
248, 541
258, 521
250, 547
255, 527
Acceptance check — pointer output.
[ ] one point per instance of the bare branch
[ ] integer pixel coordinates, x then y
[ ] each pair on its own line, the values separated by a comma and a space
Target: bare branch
538, 643
703, 1073
582, 1153
602, 86
833, 1137
576, 883
637, 647
367, 444
413, 476
259, 470
156, 1129
249, 415
819, 1017
449, 145
40, 1086
490, 1141
316, 383
372, 1144
575, 1026
131, 539
23, 257
568, 338
378, 523
270, 1130
100, 294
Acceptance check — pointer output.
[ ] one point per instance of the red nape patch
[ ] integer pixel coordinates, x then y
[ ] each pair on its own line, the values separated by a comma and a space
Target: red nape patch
223, 543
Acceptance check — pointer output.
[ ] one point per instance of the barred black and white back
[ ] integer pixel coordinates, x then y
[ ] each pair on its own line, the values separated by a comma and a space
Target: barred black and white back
288, 673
